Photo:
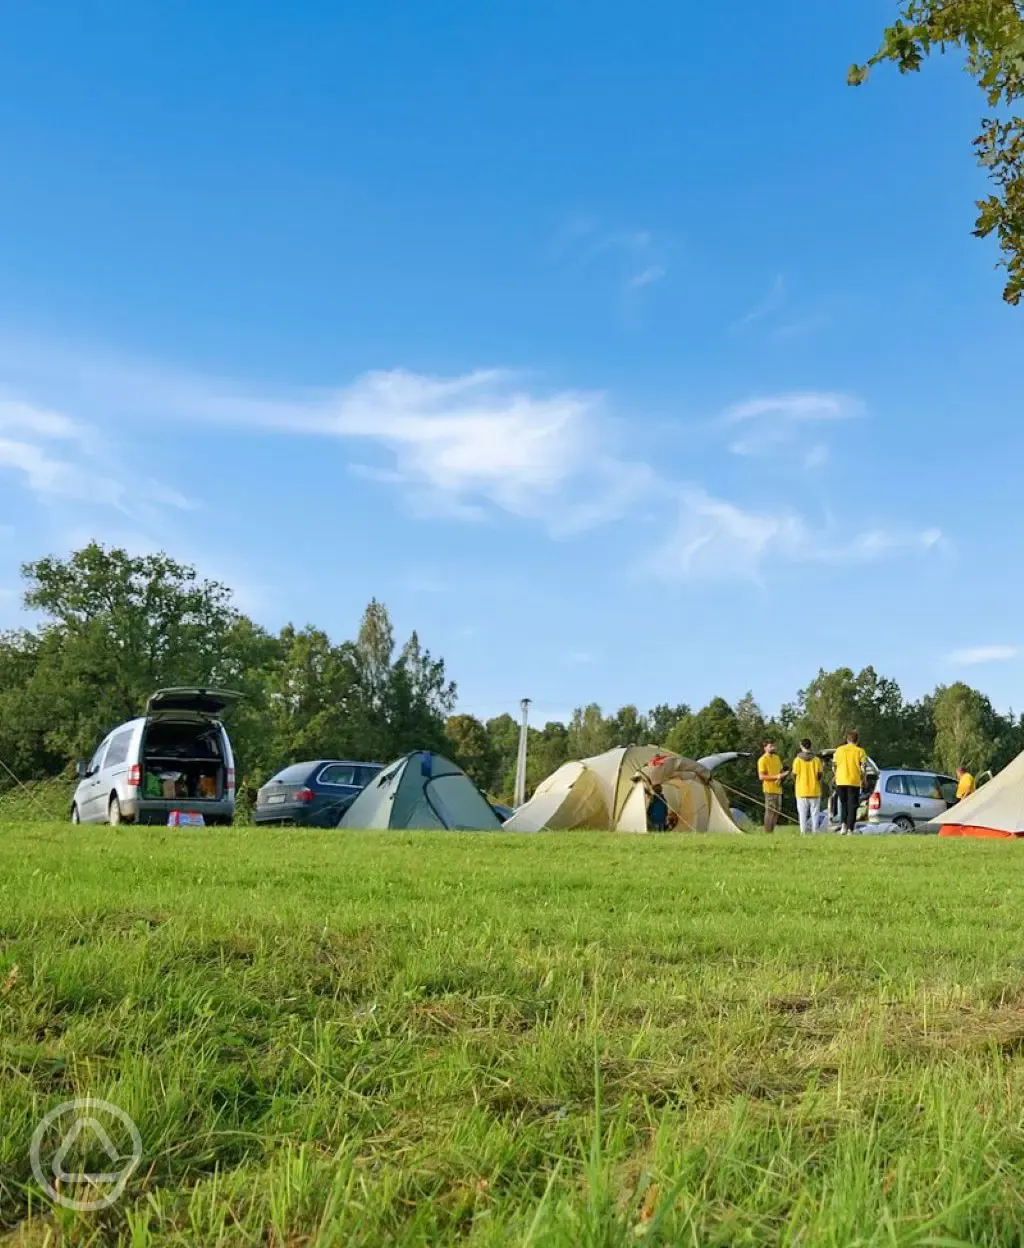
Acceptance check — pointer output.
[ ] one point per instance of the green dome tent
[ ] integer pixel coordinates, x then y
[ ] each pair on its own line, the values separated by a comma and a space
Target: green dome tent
421, 790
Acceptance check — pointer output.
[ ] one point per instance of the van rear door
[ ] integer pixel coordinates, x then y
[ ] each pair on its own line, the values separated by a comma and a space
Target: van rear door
211, 703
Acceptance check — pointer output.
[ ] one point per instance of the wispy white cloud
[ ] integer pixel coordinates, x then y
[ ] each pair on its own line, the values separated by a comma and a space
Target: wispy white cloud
801, 405
642, 254
983, 654
717, 540
653, 273
765, 306
768, 422
460, 447
816, 457
484, 443
62, 458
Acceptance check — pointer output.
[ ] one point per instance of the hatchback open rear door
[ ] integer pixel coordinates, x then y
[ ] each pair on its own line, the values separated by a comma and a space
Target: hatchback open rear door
211, 703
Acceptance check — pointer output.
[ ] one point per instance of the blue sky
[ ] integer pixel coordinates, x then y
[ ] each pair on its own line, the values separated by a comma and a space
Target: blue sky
623, 351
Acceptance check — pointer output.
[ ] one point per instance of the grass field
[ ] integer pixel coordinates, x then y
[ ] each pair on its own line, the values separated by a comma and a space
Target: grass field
398, 1038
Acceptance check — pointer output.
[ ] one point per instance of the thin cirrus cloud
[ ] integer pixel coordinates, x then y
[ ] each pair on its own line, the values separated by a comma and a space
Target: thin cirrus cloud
983, 654
640, 253
714, 539
63, 459
469, 447
768, 305
766, 423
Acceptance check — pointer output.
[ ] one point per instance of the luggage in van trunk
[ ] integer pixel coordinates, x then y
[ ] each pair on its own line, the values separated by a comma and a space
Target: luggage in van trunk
182, 761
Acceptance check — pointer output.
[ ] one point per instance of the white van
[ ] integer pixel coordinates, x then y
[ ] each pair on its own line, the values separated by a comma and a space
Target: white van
176, 757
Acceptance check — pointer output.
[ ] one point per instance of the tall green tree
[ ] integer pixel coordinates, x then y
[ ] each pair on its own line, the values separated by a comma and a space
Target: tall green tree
712, 730
470, 747
967, 728
663, 718
628, 727
115, 628
589, 732
991, 34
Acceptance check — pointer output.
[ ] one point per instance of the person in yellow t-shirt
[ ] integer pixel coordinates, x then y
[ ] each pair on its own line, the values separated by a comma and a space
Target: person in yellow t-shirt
807, 783
771, 775
965, 785
849, 761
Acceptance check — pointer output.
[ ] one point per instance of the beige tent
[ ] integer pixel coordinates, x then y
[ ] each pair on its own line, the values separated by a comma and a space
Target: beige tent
994, 810
612, 790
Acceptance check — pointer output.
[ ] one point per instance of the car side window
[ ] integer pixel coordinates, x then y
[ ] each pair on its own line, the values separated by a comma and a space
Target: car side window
948, 788
925, 786
896, 784
340, 773
96, 762
118, 751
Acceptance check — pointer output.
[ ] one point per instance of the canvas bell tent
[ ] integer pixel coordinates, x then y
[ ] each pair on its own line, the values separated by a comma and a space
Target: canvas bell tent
421, 790
996, 810
612, 791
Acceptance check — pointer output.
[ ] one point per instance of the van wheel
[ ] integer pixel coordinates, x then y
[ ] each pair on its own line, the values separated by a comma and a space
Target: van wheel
114, 812
904, 823
75, 817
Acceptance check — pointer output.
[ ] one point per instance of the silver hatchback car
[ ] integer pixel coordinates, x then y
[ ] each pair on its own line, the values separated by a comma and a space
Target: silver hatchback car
906, 797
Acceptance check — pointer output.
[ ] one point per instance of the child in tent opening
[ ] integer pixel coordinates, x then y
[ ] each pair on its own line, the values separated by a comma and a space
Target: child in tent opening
807, 783
771, 775
657, 811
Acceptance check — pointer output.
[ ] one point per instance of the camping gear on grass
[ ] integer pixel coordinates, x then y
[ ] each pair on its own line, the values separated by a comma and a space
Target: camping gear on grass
995, 811
421, 790
612, 790
185, 819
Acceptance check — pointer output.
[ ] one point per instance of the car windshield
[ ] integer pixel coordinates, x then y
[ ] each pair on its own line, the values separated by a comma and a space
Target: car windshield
297, 773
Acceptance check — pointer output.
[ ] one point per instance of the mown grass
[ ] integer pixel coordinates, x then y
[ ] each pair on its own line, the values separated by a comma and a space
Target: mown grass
594, 1040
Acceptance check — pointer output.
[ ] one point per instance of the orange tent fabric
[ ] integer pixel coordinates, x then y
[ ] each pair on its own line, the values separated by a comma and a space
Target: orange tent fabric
966, 829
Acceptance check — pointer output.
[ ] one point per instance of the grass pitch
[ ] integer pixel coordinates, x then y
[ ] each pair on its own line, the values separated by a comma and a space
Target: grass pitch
597, 1040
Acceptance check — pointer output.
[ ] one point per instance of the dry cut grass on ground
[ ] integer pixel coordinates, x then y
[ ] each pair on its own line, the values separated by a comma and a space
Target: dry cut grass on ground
370, 1039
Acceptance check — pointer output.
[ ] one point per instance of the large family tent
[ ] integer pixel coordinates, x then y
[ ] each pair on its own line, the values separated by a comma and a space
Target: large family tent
994, 810
421, 790
611, 791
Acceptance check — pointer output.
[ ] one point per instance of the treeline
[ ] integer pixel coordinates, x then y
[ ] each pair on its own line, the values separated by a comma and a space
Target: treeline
114, 627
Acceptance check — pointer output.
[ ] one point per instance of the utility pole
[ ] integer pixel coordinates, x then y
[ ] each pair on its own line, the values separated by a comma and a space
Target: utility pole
520, 791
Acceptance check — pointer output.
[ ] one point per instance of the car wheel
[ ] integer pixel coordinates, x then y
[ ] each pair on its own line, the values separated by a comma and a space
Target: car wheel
75, 816
904, 823
114, 812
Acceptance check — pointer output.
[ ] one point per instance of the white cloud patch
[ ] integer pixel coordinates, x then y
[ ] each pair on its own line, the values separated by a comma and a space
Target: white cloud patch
771, 422
61, 458
470, 448
769, 304
717, 540
653, 273
642, 254
984, 654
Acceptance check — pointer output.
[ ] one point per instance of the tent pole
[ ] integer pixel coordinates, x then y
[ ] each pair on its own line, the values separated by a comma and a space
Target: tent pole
520, 787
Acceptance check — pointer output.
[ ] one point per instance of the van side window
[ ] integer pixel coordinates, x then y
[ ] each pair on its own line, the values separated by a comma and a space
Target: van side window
118, 751
97, 759
896, 784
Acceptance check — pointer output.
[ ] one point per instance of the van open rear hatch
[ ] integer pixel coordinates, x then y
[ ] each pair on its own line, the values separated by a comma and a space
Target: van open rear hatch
183, 747
187, 702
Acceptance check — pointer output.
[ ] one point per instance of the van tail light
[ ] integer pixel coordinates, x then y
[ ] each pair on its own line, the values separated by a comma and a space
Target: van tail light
875, 801
231, 779
134, 775
303, 795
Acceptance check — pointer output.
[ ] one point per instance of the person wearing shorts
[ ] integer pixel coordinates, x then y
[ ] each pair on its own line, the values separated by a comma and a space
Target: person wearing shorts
771, 775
